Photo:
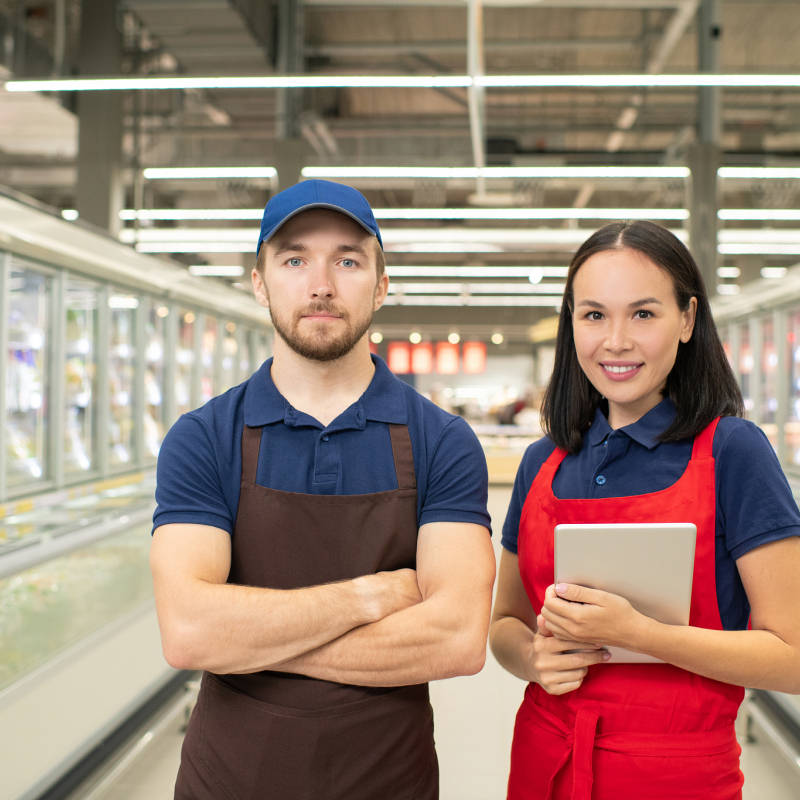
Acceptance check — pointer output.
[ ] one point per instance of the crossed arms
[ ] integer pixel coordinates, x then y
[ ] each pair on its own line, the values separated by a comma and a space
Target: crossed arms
389, 629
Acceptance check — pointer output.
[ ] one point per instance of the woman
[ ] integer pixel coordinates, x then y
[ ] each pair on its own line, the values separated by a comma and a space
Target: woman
642, 415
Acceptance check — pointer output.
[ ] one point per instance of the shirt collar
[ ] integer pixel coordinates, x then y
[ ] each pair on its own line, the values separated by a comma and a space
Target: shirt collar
645, 431
383, 401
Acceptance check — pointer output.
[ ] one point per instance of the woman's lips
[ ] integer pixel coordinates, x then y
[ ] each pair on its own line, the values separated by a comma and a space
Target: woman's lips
621, 372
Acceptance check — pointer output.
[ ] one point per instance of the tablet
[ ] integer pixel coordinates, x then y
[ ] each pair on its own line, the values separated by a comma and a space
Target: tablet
651, 565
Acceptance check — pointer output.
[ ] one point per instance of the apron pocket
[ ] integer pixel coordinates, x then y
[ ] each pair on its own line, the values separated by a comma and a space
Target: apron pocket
379, 747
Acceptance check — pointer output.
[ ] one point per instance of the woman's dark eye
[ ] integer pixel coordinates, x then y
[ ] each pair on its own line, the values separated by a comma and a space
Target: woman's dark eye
643, 314
594, 315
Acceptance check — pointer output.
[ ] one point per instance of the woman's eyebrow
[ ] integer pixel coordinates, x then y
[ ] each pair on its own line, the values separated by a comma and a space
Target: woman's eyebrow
646, 302
591, 304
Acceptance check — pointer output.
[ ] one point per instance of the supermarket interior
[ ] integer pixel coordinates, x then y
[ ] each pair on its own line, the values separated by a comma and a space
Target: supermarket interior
139, 143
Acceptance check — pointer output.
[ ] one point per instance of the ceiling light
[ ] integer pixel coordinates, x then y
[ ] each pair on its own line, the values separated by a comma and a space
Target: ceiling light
157, 173
477, 288
454, 338
475, 272
376, 338
736, 249
120, 301
217, 271
70, 213
767, 235
497, 338
530, 213
758, 172
642, 80
728, 288
153, 214
194, 247
768, 215
773, 272
245, 82
536, 275
495, 172
415, 338
163, 311
728, 272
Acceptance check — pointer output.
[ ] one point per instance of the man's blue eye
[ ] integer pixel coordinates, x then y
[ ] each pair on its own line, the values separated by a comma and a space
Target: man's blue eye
348, 262
295, 262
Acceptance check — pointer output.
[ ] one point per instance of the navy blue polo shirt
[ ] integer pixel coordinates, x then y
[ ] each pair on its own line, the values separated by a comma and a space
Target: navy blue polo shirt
754, 501
200, 463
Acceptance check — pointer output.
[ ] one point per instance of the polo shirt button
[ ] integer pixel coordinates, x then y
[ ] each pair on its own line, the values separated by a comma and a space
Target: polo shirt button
325, 438
600, 480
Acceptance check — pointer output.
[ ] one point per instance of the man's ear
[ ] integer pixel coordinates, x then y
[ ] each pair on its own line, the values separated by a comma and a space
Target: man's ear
259, 288
381, 290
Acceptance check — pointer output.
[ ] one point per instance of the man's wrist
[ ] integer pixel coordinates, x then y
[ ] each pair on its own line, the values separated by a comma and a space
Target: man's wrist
369, 599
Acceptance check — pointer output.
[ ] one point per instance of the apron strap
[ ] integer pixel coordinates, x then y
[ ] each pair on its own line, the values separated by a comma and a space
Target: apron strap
251, 445
704, 442
403, 456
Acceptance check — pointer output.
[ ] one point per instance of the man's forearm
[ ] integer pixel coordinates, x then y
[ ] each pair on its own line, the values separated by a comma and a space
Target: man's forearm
226, 628
435, 639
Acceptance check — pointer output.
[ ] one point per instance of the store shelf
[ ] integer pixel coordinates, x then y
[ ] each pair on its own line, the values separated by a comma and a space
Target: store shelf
504, 446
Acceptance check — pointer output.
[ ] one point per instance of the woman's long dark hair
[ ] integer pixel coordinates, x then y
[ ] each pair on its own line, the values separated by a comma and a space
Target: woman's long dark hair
700, 384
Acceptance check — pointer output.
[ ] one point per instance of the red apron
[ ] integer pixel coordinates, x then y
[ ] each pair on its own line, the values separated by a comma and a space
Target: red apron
630, 730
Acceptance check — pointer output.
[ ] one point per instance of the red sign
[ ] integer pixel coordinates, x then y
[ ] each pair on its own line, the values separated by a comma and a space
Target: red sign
422, 358
474, 358
373, 348
447, 358
398, 357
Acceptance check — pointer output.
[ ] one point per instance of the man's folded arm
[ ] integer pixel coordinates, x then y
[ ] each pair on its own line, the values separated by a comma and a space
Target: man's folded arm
441, 637
211, 625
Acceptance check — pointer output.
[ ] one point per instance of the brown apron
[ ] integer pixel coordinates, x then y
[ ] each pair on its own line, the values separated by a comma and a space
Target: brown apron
276, 736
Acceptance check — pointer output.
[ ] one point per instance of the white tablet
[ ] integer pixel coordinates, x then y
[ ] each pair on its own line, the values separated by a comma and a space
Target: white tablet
651, 565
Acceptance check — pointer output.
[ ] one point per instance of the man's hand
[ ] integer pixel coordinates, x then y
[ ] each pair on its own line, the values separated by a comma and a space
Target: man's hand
575, 613
387, 593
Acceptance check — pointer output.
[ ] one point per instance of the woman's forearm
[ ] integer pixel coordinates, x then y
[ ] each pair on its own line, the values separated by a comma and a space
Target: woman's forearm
511, 643
755, 658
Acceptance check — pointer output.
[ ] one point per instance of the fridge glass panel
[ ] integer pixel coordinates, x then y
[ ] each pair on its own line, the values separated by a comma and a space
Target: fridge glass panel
154, 379
184, 362
208, 352
769, 380
746, 367
27, 384
792, 430
80, 388
230, 356
243, 354
121, 378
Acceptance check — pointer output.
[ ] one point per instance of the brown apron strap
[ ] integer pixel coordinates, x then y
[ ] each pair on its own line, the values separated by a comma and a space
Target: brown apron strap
403, 456
251, 444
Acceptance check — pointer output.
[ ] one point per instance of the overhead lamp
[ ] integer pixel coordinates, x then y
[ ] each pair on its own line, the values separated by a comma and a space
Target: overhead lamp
479, 300
471, 173
475, 272
497, 338
180, 173
773, 272
758, 172
531, 213
543, 81
728, 272
244, 82
194, 247
728, 288
757, 235
211, 270
183, 214
415, 338
756, 214
122, 301
70, 214
454, 338
740, 249
477, 288
376, 338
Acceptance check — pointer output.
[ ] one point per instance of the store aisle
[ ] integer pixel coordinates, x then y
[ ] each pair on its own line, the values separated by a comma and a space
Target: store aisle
474, 722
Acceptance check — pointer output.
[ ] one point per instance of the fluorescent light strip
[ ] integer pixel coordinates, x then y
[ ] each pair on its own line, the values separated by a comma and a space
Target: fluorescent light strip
403, 81
454, 300
474, 272
256, 82
759, 235
758, 172
771, 215
195, 247
175, 214
471, 173
477, 288
759, 249
216, 271
156, 173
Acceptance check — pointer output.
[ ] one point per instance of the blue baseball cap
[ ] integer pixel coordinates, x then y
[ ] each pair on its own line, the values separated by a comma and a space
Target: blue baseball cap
316, 194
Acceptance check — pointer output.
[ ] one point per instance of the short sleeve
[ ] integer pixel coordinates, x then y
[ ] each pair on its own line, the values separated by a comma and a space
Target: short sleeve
188, 488
754, 501
535, 455
458, 480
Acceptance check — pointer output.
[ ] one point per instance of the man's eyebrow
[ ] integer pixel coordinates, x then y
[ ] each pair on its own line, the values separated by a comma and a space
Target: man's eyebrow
351, 248
290, 247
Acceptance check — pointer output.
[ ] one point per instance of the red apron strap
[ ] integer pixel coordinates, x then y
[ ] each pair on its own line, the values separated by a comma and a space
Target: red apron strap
403, 456
704, 442
582, 748
251, 444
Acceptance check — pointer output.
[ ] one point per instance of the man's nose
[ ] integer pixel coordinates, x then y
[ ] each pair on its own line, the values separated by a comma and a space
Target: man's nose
321, 283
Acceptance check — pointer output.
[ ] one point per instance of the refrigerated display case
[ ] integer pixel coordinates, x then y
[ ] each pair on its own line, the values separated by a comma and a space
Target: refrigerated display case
121, 378
229, 366
243, 352
208, 353
184, 362
154, 411
746, 367
80, 382
792, 426
27, 377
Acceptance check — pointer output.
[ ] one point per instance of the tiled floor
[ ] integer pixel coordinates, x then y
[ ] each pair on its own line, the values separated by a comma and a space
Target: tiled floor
474, 721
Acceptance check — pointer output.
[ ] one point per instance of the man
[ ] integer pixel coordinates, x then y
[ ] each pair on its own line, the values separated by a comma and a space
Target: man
321, 546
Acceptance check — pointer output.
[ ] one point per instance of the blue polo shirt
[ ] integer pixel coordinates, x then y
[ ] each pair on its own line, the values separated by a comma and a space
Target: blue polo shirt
200, 463
754, 501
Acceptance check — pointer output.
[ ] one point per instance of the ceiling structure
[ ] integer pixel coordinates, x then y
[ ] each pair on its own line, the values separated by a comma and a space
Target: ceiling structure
516, 128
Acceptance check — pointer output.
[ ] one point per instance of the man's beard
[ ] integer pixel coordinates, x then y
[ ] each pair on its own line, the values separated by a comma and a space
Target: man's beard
320, 343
